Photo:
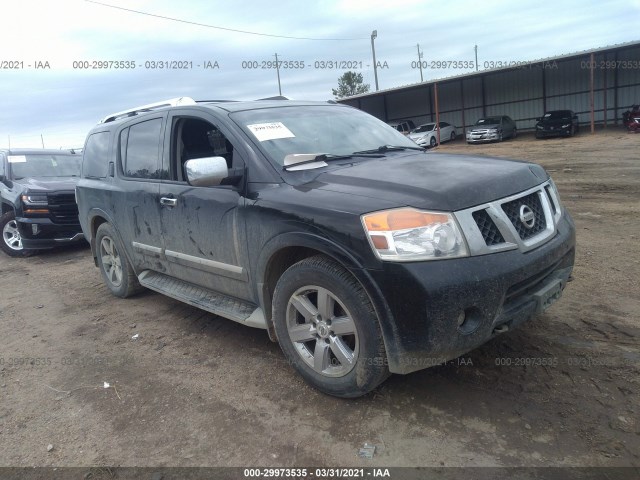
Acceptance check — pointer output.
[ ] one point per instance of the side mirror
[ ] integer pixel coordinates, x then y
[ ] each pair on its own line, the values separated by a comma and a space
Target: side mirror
206, 172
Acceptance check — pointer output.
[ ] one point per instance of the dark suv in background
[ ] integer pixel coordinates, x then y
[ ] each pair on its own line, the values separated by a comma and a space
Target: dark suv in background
358, 251
557, 123
37, 189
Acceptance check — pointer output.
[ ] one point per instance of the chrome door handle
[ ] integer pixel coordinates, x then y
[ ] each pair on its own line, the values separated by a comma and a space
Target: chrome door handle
169, 202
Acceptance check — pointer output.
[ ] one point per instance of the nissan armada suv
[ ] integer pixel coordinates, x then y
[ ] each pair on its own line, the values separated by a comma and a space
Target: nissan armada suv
355, 249
37, 190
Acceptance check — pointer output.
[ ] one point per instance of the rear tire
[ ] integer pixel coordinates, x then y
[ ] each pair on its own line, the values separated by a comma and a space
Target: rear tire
11, 243
114, 266
328, 329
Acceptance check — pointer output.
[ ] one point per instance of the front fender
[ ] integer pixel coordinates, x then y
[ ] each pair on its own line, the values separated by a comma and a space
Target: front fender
346, 259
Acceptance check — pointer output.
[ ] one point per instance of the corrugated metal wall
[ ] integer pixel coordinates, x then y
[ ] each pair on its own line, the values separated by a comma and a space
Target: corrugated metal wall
523, 94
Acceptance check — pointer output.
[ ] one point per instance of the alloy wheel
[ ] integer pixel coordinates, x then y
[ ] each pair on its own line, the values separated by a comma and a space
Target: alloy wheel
322, 331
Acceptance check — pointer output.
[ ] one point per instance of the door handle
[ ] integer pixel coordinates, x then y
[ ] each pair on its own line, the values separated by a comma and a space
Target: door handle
169, 202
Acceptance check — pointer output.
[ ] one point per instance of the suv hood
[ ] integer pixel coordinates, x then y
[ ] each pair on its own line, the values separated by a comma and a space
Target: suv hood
48, 184
433, 181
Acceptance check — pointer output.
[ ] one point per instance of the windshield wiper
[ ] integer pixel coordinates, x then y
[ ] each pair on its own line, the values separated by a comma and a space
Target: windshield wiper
389, 148
325, 157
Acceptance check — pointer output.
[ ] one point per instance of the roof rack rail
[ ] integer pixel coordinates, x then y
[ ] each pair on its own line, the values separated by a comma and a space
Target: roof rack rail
172, 102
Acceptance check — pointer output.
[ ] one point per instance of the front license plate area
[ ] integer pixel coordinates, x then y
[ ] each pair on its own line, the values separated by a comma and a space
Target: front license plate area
548, 295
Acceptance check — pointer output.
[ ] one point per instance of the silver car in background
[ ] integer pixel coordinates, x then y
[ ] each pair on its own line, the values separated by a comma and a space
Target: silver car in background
492, 129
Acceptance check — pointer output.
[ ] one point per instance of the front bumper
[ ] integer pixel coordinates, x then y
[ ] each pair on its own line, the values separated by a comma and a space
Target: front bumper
556, 132
494, 292
42, 233
482, 137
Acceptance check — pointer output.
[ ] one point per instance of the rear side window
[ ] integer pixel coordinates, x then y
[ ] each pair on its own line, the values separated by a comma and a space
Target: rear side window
95, 157
140, 159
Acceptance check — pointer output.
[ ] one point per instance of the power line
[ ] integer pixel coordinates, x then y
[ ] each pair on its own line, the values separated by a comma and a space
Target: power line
222, 28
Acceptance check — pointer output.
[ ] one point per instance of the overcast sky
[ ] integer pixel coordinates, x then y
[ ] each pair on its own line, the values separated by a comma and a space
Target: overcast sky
62, 103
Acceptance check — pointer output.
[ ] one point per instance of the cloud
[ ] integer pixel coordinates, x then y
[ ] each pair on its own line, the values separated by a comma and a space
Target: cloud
64, 102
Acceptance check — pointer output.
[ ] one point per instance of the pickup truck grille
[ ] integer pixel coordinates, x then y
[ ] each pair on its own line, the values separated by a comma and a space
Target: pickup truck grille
532, 202
63, 208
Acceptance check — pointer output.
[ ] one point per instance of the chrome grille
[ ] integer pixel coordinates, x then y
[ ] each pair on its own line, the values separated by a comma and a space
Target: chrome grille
497, 226
532, 201
488, 229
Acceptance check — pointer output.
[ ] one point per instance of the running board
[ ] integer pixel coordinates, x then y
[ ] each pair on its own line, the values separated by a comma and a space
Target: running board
205, 299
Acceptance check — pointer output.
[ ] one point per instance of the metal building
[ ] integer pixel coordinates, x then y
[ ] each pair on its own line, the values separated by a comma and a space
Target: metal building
599, 85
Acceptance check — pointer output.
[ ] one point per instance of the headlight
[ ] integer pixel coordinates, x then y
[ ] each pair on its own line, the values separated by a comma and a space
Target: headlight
35, 199
566, 126
493, 130
407, 234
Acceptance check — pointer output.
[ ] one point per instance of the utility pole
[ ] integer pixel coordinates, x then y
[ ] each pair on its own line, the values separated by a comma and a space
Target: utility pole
278, 73
374, 34
42, 139
476, 50
420, 63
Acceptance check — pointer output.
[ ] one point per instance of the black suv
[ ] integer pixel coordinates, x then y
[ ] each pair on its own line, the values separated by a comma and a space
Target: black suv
557, 123
39, 209
358, 251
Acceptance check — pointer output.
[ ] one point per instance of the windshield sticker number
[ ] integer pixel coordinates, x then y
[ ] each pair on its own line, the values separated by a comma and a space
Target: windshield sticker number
270, 131
17, 159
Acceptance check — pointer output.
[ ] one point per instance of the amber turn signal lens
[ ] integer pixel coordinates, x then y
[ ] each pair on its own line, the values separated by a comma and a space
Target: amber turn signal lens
380, 242
401, 219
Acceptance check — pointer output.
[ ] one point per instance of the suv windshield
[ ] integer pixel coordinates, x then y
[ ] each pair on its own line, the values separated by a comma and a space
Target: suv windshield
44, 165
488, 121
315, 130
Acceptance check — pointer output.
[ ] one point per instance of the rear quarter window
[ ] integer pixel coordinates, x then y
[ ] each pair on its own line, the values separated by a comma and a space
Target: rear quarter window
95, 157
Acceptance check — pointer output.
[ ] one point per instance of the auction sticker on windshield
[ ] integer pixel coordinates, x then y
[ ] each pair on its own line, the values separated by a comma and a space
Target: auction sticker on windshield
270, 131
17, 159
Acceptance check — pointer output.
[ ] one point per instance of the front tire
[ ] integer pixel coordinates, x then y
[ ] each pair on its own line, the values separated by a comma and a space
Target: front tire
452, 137
328, 329
11, 243
114, 266
432, 142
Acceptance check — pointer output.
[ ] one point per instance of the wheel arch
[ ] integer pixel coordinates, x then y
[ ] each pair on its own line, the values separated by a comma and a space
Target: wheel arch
96, 218
287, 249
7, 207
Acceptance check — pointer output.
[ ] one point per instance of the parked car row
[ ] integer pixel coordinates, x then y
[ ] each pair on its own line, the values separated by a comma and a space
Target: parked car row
358, 251
491, 129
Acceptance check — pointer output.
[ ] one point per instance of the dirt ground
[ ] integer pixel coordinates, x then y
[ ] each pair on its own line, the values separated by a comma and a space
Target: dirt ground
197, 390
